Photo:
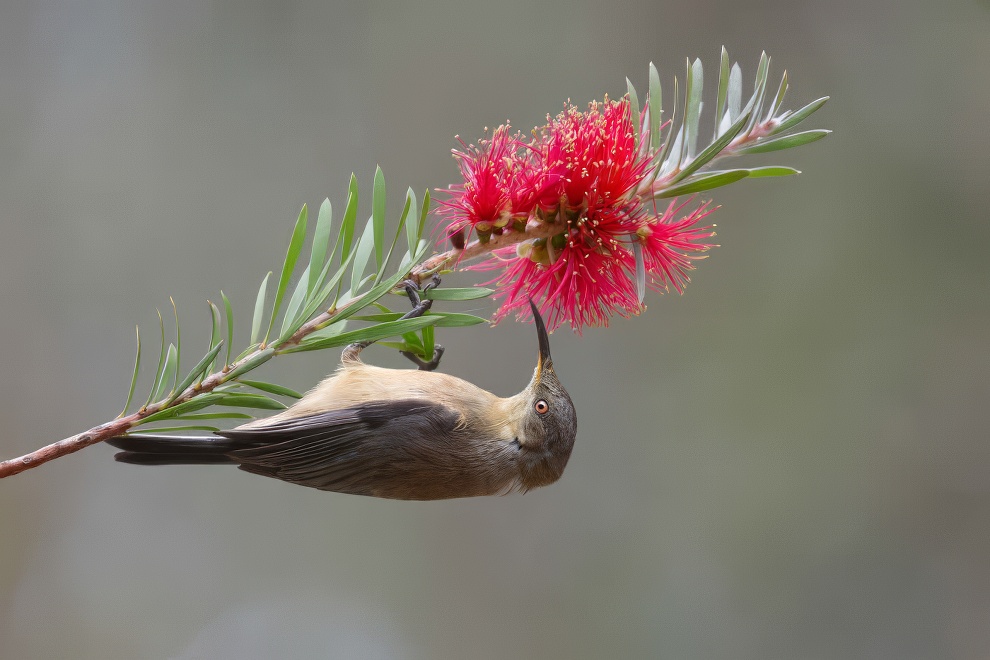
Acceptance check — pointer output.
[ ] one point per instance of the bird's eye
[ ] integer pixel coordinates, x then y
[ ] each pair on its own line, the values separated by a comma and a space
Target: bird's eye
541, 407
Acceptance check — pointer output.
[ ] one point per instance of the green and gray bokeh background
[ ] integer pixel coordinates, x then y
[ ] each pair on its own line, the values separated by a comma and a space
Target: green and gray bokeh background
789, 461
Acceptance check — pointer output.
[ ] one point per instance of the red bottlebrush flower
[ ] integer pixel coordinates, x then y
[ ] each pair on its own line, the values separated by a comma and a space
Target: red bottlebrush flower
571, 194
482, 202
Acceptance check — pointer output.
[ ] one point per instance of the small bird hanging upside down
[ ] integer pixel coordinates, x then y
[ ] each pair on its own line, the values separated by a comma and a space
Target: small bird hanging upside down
395, 433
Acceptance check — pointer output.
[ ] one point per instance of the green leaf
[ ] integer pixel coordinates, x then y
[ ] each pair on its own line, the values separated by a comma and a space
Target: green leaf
429, 345
291, 322
395, 241
671, 129
784, 142
723, 89
779, 99
192, 405
289, 265
248, 364
215, 332
656, 107
173, 429
229, 315
692, 106
321, 243
161, 360
422, 220
411, 223
701, 182
137, 367
378, 216
271, 388
634, 109
362, 254
168, 374
257, 401
789, 121
178, 339
372, 333
197, 371
259, 309
347, 225
413, 340
469, 293
447, 320
735, 91
759, 90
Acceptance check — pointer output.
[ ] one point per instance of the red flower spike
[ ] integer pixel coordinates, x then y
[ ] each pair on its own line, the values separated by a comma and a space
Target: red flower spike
582, 169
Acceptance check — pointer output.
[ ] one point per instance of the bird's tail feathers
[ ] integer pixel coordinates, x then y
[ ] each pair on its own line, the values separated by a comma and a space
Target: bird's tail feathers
148, 449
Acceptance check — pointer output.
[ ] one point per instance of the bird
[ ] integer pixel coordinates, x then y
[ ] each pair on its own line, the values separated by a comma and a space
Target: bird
400, 434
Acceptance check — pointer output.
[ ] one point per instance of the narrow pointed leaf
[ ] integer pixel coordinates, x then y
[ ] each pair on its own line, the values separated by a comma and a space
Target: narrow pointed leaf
259, 309
192, 405
178, 339
290, 322
197, 372
168, 374
411, 222
413, 340
424, 211
256, 401
349, 221
634, 109
723, 91
692, 108
137, 367
778, 99
320, 299
215, 332
468, 293
378, 216
759, 90
671, 130
735, 91
429, 345
784, 142
271, 388
795, 118
321, 243
700, 182
161, 361
373, 333
395, 240
249, 364
447, 320
656, 107
289, 265
362, 253
229, 315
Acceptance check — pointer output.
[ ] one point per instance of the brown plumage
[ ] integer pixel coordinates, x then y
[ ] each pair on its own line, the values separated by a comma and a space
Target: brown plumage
395, 433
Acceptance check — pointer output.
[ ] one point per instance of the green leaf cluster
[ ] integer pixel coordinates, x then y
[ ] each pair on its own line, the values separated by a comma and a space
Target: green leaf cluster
316, 296
757, 126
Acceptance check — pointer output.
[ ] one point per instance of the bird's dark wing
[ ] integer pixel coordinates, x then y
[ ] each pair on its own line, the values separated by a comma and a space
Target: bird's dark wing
400, 449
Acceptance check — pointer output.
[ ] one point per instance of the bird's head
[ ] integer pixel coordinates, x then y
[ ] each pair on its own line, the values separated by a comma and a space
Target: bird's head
549, 422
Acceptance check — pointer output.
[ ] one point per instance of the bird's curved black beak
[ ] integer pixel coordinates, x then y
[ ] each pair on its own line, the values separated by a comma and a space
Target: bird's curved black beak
545, 361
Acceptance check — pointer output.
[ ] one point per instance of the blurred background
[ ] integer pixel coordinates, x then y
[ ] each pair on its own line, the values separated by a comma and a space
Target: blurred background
789, 461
